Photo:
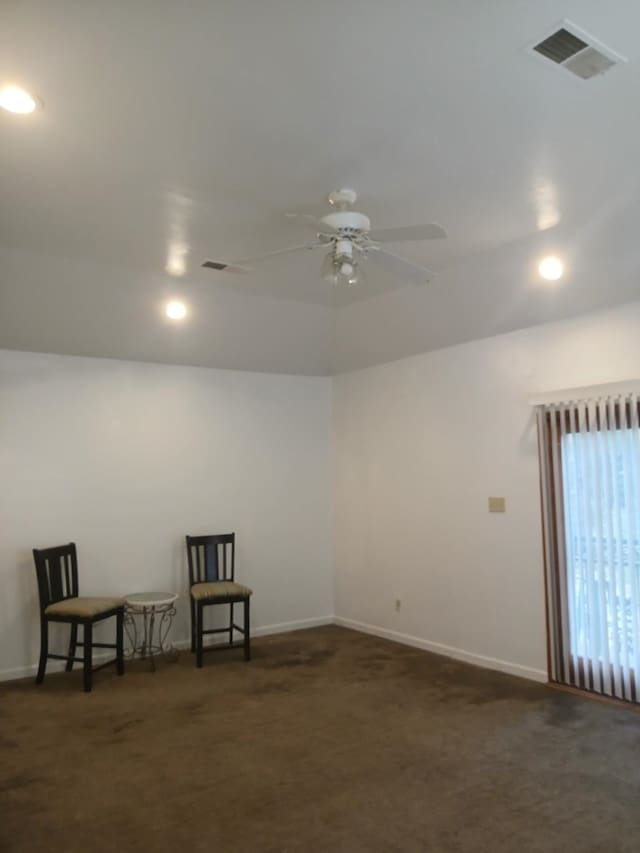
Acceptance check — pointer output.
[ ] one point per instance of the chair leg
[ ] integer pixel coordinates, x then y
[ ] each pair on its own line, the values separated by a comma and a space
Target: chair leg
44, 650
193, 625
88, 648
73, 642
247, 630
199, 635
120, 642
231, 623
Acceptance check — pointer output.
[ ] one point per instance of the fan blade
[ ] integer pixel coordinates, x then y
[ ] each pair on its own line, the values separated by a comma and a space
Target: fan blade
411, 232
399, 266
267, 255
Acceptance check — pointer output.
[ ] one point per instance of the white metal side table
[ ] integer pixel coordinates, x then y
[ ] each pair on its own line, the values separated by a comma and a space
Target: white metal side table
156, 610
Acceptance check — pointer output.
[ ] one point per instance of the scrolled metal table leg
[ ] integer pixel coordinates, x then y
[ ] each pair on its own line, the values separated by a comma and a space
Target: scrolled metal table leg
166, 620
131, 630
152, 620
144, 648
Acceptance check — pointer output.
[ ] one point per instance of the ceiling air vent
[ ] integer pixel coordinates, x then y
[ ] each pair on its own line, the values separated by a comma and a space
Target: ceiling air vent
215, 265
570, 47
560, 46
221, 266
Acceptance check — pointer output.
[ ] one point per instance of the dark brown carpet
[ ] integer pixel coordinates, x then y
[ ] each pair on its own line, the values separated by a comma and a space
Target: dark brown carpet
328, 740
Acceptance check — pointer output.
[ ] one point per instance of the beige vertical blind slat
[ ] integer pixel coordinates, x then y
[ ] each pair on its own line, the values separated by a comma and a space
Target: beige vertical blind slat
611, 532
557, 421
548, 538
632, 489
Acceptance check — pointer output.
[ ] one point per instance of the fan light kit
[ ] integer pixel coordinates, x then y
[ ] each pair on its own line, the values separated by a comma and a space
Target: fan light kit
347, 236
16, 100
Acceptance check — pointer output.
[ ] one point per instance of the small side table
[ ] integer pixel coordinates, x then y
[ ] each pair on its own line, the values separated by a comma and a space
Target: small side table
149, 605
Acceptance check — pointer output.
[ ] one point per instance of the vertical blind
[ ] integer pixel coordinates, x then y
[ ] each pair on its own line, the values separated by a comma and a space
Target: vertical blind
590, 488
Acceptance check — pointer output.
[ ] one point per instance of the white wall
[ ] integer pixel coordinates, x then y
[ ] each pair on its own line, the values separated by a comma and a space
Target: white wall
420, 445
124, 458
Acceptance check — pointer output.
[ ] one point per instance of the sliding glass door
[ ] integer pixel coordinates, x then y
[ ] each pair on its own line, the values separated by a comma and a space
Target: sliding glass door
590, 455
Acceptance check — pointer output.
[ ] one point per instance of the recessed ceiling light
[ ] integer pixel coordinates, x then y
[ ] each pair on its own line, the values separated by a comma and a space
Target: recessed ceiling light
176, 310
16, 100
551, 268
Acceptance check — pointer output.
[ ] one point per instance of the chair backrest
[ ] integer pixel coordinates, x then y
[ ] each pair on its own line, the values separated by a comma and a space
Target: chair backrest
211, 558
57, 573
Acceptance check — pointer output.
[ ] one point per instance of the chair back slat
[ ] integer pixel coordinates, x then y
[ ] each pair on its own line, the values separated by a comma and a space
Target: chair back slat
57, 573
54, 576
211, 558
67, 572
210, 552
195, 555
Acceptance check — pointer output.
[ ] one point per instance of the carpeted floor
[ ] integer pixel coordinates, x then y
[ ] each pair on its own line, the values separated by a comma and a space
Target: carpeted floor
329, 740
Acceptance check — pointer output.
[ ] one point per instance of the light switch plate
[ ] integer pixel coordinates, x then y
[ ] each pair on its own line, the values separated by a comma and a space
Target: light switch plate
497, 505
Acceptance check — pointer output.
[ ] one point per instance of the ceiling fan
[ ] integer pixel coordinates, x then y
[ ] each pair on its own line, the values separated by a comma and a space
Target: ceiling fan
348, 237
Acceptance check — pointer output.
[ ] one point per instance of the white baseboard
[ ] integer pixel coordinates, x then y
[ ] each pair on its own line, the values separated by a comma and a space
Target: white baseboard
448, 651
52, 666
278, 628
300, 624
296, 625
184, 643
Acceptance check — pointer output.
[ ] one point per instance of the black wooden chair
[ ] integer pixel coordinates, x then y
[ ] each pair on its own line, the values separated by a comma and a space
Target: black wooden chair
57, 573
211, 580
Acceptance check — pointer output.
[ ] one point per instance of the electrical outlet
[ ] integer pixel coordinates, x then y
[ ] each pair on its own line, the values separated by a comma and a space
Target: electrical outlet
398, 605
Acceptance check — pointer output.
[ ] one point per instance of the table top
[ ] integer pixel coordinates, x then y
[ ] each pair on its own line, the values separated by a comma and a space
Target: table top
150, 599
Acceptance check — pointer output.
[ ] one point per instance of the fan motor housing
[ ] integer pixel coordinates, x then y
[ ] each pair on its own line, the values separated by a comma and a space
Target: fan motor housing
347, 221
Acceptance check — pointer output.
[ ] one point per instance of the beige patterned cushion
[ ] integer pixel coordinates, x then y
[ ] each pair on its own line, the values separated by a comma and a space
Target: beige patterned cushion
219, 589
83, 607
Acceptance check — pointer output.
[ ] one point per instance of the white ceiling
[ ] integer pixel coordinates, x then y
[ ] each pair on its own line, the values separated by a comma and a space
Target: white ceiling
201, 124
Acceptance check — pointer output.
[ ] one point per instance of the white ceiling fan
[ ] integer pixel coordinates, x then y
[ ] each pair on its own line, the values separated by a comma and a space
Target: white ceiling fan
348, 237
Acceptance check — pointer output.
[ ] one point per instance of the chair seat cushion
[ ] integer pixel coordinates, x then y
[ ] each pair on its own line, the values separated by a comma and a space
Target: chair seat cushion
83, 606
219, 589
